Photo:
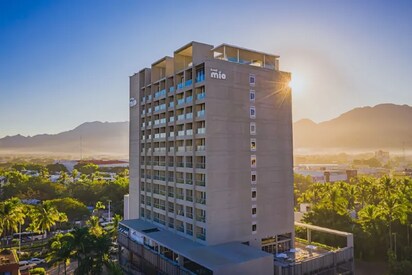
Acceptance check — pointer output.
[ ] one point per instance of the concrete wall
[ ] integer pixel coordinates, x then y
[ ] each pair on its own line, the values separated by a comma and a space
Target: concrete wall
261, 266
229, 204
134, 153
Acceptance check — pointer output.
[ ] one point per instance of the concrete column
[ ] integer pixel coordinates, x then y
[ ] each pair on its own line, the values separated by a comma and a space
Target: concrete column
309, 235
349, 240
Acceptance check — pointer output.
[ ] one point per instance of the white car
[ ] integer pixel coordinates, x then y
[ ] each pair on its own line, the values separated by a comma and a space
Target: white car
36, 261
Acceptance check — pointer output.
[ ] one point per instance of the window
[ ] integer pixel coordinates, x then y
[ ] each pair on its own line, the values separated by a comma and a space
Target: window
253, 177
254, 210
253, 128
252, 80
253, 144
252, 112
253, 161
254, 194
254, 228
252, 96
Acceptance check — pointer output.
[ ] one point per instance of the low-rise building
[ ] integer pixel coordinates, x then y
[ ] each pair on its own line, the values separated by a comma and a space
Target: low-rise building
9, 262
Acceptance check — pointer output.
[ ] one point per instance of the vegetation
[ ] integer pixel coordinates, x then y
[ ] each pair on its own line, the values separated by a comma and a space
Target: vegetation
377, 211
72, 193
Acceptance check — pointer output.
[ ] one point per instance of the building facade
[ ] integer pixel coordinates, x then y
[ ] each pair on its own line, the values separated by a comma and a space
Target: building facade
211, 158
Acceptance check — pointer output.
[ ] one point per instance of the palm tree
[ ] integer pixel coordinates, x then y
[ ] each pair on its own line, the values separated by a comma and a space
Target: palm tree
11, 216
45, 216
62, 248
75, 173
393, 209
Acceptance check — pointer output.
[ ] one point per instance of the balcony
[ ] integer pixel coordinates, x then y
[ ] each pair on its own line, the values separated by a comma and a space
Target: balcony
180, 228
189, 148
201, 165
181, 117
171, 90
200, 218
189, 165
180, 86
201, 131
201, 96
201, 148
189, 181
188, 82
189, 132
189, 198
189, 232
181, 101
189, 116
189, 99
171, 104
201, 236
180, 180
172, 119
200, 183
201, 200
201, 113
180, 133
160, 93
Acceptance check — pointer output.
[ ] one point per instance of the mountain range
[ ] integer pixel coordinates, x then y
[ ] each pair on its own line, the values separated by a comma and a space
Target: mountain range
384, 126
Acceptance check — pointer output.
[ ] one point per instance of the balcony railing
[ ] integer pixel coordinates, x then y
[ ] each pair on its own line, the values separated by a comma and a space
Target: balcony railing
200, 183
189, 198
200, 148
188, 82
181, 117
201, 200
160, 93
180, 86
201, 236
201, 96
180, 101
200, 218
201, 165
171, 104
201, 131
189, 99
189, 181
201, 113
171, 90
180, 148
189, 215
180, 133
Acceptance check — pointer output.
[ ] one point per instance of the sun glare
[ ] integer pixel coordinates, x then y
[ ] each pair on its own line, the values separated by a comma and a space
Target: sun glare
296, 84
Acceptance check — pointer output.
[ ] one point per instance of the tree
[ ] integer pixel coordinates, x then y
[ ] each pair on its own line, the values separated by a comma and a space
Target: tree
74, 209
44, 216
62, 248
11, 216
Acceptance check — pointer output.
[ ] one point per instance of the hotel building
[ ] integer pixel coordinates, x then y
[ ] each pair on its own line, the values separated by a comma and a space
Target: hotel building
211, 168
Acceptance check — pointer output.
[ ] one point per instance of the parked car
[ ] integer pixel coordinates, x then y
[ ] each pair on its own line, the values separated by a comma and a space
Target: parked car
36, 261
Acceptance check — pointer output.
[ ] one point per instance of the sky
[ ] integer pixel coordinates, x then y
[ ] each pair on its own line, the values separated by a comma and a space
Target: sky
63, 63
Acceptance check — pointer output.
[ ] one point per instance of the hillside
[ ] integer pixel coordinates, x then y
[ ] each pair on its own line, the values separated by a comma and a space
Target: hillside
384, 126
88, 139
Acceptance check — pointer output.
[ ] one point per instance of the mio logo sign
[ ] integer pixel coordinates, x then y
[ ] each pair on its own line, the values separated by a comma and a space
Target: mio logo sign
215, 73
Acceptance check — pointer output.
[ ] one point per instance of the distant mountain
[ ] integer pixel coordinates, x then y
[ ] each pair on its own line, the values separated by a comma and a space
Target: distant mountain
89, 139
384, 126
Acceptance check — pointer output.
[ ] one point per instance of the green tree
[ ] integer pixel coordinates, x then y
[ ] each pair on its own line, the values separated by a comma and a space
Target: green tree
11, 216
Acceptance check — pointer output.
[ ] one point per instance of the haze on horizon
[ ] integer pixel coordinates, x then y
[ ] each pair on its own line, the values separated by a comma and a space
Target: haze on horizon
67, 62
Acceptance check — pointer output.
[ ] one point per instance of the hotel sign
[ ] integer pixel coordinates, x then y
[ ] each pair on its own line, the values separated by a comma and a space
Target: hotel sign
215, 73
